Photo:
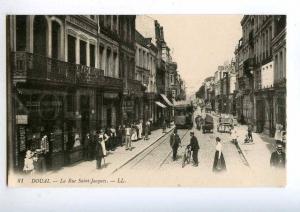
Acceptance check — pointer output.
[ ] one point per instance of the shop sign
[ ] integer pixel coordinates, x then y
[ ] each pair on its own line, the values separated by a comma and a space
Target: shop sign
22, 138
22, 119
110, 95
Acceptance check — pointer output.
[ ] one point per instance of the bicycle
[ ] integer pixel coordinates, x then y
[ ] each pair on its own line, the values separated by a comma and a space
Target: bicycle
186, 156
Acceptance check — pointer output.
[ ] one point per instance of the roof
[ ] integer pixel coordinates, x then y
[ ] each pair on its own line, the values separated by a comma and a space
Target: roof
140, 39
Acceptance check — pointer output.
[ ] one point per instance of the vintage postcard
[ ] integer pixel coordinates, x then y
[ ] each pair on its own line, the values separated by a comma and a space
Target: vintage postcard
146, 100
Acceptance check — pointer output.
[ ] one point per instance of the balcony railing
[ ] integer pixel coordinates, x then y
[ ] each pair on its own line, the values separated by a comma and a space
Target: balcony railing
113, 82
134, 85
28, 66
89, 75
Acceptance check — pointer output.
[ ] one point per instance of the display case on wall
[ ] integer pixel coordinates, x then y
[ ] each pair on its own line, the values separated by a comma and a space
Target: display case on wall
56, 158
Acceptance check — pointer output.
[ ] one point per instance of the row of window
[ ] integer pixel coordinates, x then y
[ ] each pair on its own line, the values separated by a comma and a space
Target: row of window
280, 66
144, 60
79, 50
110, 21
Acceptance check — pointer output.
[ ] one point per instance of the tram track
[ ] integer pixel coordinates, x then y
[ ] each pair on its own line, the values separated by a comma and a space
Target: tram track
146, 150
150, 155
168, 155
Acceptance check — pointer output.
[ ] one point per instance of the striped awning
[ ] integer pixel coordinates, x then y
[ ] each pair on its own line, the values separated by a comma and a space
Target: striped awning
160, 104
167, 100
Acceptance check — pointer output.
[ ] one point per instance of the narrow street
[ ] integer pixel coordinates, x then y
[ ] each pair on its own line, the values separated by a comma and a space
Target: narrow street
157, 162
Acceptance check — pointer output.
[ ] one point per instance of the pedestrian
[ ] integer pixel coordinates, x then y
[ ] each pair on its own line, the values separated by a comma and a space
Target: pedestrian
133, 133
219, 164
174, 143
108, 142
28, 162
278, 157
104, 139
100, 151
194, 145
164, 125
92, 145
147, 129
119, 136
42, 154
278, 133
123, 135
234, 135
140, 127
113, 138
250, 129
86, 143
128, 137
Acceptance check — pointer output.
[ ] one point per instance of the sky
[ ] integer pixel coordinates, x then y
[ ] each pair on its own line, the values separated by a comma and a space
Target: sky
200, 43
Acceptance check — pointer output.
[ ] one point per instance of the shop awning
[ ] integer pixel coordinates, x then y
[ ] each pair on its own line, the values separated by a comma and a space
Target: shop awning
167, 100
160, 104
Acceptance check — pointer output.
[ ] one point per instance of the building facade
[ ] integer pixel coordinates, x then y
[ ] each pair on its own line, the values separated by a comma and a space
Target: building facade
133, 89
261, 72
245, 70
71, 75
145, 58
279, 58
152, 30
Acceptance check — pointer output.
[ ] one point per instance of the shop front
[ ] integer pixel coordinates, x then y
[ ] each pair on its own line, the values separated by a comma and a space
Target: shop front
111, 116
40, 127
247, 109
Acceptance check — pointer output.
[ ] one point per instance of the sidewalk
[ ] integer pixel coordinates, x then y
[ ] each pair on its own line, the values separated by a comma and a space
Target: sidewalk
114, 160
257, 153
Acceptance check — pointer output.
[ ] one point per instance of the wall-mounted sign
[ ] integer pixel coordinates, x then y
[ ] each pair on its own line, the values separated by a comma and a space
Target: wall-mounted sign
22, 119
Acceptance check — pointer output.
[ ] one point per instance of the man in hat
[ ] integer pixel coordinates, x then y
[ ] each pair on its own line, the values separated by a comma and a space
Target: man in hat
278, 157
194, 148
174, 143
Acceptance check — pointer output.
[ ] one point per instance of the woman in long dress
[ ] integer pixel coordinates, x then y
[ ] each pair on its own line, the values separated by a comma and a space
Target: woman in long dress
103, 138
134, 136
99, 151
219, 161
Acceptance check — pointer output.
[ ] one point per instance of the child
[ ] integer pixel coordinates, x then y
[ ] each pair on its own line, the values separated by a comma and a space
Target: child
28, 162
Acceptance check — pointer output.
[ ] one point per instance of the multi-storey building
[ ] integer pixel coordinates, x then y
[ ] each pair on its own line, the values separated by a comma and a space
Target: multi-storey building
279, 58
245, 69
108, 56
263, 32
67, 79
150, 28
145, 59
133, 90
261, 71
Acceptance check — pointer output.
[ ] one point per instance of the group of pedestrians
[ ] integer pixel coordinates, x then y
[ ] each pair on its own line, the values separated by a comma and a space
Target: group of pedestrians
125, 134
219, 164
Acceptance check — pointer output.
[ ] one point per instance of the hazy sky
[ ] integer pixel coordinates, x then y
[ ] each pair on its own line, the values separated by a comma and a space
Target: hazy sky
200, 43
